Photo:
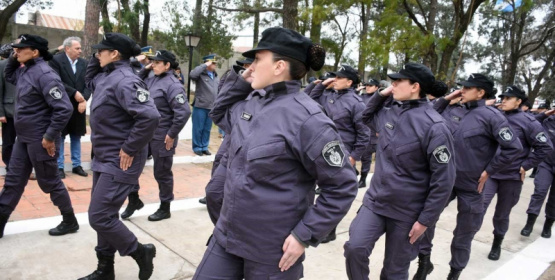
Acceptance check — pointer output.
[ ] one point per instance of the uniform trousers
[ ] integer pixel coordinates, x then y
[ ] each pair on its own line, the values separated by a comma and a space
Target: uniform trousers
202, 125
364, 232
163, 161
366, 158
107, 197
217, 264
508, 193
543, 183
8, 140
469, 219
25, 157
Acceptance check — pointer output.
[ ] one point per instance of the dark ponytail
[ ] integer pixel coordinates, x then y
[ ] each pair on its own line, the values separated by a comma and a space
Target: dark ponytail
316, 57
438, 89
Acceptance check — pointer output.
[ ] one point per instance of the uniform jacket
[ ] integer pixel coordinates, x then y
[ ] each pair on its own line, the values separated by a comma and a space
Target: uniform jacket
73, 82
452, 114
42, 107
549, 126
7, 93
280, 144
123, 117
345, 109
373, 136
536, 145
171, 101
206, 87
415, 164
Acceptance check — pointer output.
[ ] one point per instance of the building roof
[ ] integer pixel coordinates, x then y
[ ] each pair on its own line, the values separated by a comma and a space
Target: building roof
40, 19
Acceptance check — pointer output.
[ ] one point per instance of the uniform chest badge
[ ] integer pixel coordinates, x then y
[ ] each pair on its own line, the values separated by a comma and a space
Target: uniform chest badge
331, 101
142, 94
333, 154
506, 134
541, 137
56, 93
456, 118
442, 154
180, 99
246, 116
389, 126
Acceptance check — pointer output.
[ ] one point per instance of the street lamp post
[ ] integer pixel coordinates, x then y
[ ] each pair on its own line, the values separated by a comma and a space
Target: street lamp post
191, 41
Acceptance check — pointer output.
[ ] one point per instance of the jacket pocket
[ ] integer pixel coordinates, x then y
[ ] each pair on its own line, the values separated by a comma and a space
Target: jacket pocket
409, 155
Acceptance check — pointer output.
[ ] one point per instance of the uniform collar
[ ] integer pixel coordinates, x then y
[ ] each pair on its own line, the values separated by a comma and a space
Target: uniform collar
280, 88
475, 104
117, 64
512, 112
33, 61
413, 103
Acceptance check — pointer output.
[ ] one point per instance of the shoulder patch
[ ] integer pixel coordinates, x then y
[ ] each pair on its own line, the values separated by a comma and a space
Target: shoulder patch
506, 134
541, 137
55, 92
180, 98
442, 154
142, 94
333, 153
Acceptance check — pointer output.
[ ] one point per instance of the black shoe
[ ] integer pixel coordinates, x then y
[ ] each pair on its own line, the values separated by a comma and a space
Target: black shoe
529, 225
199, 153
546, 232
144, 256
162, 213
134, 204
104, 270
202, 200
362, 181
3, 221
68, 225
331, 237
454, 274
425, 267
61, 173
79, 171
208, 153
495, 252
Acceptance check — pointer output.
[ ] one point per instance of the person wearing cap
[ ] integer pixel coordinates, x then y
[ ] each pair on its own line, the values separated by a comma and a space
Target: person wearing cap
123, 121
179, 75
206, 82
413, 176
507, 184
71, 69
245, 63
452, 111
171, 101
281, 142
7, 98
485, 144
41, 112
370, 87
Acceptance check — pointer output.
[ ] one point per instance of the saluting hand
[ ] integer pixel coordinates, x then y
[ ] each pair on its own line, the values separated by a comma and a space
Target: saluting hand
292, 251
482, 181
169, 142
247, 75
549, 112
328, 81
125, 160
417, 230
49, 146
455, 94
387, 91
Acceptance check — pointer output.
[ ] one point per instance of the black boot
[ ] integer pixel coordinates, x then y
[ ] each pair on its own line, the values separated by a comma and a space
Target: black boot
546, 232
162, 213
425, 267
529, 225
202, 200
134, 204
3, 221
495, 252
104, 270
144, 256
454, 274
68, 225
331, 237
362, 181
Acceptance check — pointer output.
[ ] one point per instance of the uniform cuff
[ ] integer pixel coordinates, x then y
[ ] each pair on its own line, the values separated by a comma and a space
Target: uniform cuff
127, 150
302, 233
48, 137
298, 239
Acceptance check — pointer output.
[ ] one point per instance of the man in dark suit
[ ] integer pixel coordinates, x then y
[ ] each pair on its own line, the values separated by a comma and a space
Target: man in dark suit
71, 69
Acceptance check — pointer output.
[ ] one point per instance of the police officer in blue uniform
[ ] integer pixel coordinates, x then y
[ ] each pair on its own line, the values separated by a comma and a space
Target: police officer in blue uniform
484, 144
413, 176
370, 88
42, 110
123, 121
507, 184
280, 144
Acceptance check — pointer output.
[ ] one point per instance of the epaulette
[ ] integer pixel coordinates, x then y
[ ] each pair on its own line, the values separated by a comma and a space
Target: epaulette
530, 117
434, 115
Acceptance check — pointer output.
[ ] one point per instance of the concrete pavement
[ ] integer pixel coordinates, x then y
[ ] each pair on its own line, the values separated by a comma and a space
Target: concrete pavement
29, 253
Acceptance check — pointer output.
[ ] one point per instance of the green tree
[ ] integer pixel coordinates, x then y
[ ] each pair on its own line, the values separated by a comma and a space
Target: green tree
9, 7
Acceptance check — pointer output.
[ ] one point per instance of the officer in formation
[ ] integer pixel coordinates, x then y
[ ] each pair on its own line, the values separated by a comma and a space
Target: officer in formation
7, 98
507, 184
171, 101
123, 121
280, 144
484, 145
370, 88
42, 110
413, 177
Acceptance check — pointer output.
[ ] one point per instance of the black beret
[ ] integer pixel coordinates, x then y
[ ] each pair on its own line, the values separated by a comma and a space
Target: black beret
416, 72
285, 42
248, 60
516, 92
372, 82
120, 42
31, 41
348, 72
163, 55
479, 81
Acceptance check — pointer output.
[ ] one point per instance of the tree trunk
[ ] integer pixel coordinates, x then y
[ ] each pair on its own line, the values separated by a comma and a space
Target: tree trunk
105, 16
146, 24
132, 20
7, 13
364, 18
92, 14
290, 14
197, 17
256, 29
